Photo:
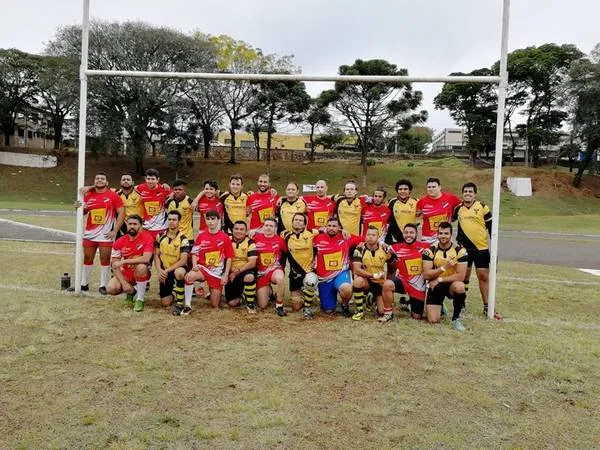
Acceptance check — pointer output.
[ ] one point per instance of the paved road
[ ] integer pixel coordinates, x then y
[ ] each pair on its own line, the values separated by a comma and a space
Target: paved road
567, 250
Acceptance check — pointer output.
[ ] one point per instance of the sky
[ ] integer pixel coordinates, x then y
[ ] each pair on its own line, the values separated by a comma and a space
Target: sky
427, 37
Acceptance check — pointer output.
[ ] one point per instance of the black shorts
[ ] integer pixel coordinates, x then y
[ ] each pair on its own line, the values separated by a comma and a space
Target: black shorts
165, 289
481, 258
296, 280
375, 288
437, 295
416, 306
398, 285
235, 288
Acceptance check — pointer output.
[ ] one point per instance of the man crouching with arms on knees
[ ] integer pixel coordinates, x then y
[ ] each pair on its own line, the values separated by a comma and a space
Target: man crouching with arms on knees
445, 266
171, 251
130, 261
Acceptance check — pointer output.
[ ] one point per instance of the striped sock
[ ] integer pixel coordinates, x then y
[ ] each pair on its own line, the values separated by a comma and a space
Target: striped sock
309, 296
179, 292
359, 298
249, 294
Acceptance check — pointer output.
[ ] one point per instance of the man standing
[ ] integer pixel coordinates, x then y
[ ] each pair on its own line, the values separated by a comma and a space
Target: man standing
261, 205
349, 208
208, 200
130, 261
131, 200
320, 207
299, 243
376, 214
435, 207
474, 226
234, 202
154, 196
171, 251
403, 209
369, 268
242, 277
289, 206
332, 263
269, 249
445, 266
105, 216
211, 261
409, 277
181, 202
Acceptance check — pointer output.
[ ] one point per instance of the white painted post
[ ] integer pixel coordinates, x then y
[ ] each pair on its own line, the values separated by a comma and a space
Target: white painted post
85, 30
498, 160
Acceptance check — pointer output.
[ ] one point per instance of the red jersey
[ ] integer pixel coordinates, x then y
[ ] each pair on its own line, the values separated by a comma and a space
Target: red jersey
212, 251
333, 254
269, 251
153, 201
101, 208
261, 206
319, 210
127, 247
410, 267
377, 216
436, 211
209, 204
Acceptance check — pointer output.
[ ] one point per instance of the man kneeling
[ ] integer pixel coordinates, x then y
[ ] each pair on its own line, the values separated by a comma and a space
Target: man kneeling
130, 259
445, 266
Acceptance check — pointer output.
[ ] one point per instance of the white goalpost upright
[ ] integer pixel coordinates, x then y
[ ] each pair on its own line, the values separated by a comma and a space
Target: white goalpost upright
501, 80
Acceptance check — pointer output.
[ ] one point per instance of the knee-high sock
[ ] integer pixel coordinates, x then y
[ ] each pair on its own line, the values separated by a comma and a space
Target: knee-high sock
189, 290
459, 304
308, 296
359, 297
85, 276
249, 294
140, 287
104, 275
179, 292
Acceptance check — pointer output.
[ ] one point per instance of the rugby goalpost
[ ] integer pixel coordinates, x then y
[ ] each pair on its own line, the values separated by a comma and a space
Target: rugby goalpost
501, 81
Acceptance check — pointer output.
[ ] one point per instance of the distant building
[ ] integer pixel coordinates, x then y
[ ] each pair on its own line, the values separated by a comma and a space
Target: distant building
448, 140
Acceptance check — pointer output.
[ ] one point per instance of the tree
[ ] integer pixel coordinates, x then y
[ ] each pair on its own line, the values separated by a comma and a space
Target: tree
235, 97
58, 91
541, 73
372, 107
584, 87
333, 138
205, 107
18, 87
472, 106
317, 115
412, 140
136, 103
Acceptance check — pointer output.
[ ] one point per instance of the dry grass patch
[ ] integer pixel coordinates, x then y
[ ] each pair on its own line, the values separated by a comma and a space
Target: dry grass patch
83, 372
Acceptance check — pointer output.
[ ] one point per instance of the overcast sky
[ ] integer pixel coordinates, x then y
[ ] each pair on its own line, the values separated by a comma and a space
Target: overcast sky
428, 37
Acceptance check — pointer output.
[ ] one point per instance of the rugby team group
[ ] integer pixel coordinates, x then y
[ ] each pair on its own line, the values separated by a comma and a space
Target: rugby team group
362, 248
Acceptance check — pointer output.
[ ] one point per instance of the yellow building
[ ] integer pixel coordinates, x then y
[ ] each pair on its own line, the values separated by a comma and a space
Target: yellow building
279, 141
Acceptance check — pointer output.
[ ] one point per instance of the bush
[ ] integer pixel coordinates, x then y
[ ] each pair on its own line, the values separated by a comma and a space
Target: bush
371, 162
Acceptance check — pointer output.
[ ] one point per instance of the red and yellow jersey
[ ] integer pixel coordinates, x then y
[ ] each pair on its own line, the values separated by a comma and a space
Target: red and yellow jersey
402, 212
127, 247
269, 251
212, 251
436, 211
101, 209
235, 208
153, 200
184, 207
132, 202
287, 210
377, 216
333, 254
209, 204
349, 212
261, 206
319, 210
410, 267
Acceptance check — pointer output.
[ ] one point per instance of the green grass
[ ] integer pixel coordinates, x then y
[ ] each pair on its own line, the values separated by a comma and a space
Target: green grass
65, 223
83, 372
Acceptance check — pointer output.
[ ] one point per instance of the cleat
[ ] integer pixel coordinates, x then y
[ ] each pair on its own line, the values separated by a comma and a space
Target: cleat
497, 316
358, 316
346, 310
280, 311
187, 310
177, 310
128, 302
386, 317
308, 314
84, 288
102, 290
138, 306
251, 309
457, 325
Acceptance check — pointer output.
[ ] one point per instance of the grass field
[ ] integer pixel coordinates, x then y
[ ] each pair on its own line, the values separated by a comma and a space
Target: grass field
555, 206
81, 372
